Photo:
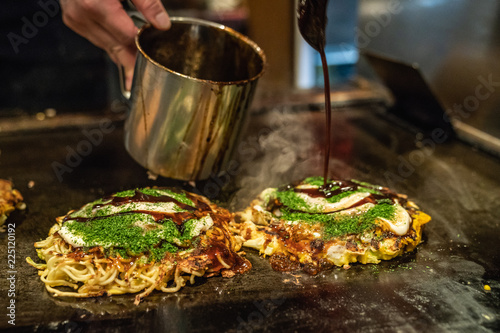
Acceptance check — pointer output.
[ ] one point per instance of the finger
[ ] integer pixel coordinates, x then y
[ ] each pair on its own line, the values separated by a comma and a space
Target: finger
100, 37
105, 24
118, 24
154, 12
123, 54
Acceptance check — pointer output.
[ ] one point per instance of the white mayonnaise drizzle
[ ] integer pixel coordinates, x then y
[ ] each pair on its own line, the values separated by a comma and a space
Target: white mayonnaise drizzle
401, 221
329, 207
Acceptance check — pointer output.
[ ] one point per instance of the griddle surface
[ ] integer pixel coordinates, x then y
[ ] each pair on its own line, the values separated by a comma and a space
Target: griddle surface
437, 288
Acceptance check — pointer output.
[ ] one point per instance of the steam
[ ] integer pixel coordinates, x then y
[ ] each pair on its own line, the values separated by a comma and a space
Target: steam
276, 150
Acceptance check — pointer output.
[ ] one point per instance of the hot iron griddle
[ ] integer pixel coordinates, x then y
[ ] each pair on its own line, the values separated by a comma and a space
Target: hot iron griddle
437, 288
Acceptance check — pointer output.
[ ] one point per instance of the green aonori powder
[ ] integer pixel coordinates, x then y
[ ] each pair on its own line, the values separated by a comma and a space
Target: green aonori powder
337, 225
312, 202
136, 222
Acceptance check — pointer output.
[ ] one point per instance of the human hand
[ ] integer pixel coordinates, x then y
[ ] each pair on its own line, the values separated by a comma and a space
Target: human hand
106, 24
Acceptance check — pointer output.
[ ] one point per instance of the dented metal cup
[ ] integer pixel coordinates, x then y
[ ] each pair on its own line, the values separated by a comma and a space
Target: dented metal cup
191, 90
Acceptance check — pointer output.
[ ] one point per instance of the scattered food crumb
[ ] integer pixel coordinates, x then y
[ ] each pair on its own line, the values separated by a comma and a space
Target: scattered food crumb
40, 116
294, 281
31, 184
487, 287
152, 175
346, 266
50, 112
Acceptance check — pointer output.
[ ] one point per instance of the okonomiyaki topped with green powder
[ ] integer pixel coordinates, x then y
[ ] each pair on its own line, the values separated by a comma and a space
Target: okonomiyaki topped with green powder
313, 227
137, 241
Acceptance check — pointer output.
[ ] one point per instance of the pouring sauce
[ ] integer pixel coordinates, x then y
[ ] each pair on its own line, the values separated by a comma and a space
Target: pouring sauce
312, 23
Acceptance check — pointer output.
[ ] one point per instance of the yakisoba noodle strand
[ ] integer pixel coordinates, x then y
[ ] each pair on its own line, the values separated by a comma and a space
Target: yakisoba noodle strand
138, 241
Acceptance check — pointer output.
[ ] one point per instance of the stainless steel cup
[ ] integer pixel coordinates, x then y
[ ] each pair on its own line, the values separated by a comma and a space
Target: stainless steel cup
191, 90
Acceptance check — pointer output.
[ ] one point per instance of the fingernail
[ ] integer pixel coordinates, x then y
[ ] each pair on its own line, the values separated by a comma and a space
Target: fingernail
163, 21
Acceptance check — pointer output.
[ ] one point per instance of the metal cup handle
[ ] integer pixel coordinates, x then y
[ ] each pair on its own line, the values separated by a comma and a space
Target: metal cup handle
123, 87
139, 21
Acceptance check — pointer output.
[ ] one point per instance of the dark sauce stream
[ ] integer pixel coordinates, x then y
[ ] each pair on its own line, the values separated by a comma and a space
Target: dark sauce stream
328, 108
312, 23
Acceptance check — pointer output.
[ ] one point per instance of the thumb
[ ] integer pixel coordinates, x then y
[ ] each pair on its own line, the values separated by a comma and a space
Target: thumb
154, 12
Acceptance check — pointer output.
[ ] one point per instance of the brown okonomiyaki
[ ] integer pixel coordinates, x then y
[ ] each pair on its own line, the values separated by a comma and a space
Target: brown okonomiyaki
137, 241
313, 227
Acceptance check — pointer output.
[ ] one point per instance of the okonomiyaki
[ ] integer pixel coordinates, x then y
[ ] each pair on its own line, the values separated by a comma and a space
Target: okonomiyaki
138, 241
314, 227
